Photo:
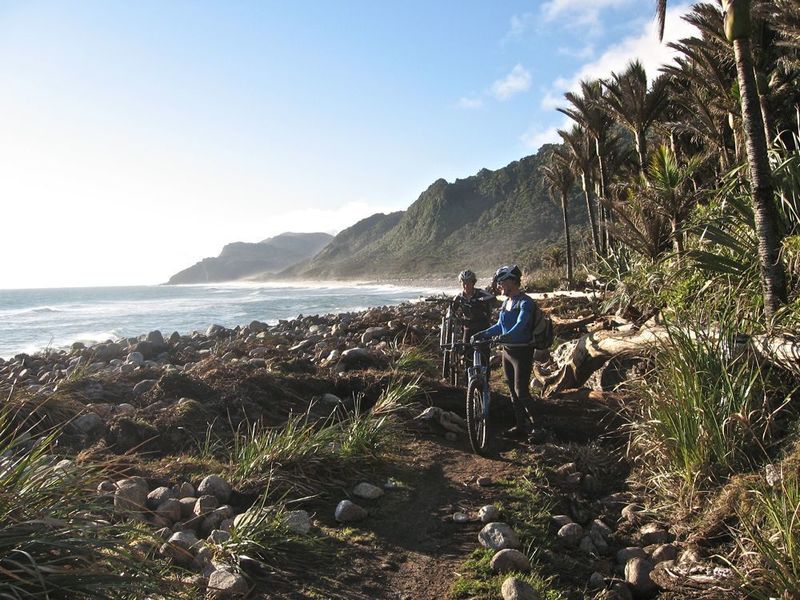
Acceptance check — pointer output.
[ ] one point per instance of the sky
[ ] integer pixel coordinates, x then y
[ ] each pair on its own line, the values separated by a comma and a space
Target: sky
137, 138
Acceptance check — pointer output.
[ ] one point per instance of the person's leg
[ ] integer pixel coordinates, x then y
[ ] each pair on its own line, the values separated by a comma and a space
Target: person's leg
522, 361
511, 370
468, 333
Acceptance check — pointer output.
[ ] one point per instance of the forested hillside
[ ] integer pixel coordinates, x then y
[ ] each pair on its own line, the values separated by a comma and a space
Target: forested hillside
489, 218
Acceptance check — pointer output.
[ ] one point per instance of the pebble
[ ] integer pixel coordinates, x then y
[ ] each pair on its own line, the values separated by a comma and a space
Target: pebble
349, 512
367, 491
489, 513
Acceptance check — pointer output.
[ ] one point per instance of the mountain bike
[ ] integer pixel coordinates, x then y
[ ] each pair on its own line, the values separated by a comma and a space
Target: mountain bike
450, 335
479, 396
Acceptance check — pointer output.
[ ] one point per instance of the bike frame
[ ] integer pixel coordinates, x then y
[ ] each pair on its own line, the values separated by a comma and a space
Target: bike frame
480, 372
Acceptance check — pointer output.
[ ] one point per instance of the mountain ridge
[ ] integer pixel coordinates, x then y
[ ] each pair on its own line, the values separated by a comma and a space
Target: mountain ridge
239, 260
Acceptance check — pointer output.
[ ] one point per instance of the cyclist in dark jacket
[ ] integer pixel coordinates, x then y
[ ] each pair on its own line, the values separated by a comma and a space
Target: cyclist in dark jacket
515, 326
474, 307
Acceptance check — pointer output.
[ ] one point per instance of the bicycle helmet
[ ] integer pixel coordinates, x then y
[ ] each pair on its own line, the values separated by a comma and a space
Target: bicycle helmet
508, 272
467, 275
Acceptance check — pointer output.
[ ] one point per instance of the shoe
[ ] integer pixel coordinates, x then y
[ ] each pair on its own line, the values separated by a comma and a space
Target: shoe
518, 432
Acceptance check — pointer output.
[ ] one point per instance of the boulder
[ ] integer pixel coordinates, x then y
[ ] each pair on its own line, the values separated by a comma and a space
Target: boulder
489, 513
215, 485
298, 521
571, 534
510, 560
637, 575
130, 498
498, 536
373, 333
517, 589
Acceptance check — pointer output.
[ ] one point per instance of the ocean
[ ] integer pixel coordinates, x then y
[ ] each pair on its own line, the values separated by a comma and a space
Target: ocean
37, 319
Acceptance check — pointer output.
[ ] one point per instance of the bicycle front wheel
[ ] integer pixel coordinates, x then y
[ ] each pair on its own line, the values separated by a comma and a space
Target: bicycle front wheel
477, 420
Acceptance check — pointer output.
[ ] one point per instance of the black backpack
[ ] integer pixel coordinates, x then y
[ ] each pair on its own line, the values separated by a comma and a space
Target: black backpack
542, 336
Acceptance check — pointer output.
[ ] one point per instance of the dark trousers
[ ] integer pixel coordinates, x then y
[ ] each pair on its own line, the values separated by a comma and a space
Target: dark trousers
468, 333
517, 365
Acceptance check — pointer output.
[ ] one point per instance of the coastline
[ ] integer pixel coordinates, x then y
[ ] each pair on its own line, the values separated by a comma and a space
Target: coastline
55, 318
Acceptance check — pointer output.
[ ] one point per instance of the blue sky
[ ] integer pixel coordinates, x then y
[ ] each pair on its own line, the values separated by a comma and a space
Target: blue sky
139, 137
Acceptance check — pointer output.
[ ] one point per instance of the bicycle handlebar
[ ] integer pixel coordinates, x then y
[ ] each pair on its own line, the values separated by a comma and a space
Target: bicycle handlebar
490, 341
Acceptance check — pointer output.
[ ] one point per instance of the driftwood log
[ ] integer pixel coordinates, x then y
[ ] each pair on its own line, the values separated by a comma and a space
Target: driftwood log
595, 349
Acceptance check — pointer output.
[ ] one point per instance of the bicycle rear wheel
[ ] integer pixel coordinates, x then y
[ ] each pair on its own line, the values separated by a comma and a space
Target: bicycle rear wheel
477, 421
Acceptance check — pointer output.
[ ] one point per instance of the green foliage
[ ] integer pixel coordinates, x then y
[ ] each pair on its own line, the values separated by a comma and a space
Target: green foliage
709, 405
416, 359
770, 538
482, 221
54, 540
303, 443
367, 433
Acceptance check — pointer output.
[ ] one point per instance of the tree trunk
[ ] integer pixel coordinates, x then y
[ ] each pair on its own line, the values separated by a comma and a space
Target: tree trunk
677, 240
604, 242
773, 280
763, 94
592, 351
641, 150
567, 240
587, 194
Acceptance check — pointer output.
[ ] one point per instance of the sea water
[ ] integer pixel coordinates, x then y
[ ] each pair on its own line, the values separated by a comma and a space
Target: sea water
37, 319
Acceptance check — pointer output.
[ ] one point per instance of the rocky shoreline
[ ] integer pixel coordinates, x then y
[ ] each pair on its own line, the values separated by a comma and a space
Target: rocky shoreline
155, 396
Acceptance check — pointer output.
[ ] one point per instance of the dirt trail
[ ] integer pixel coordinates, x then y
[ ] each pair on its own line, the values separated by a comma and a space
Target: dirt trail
410, 548
421, 535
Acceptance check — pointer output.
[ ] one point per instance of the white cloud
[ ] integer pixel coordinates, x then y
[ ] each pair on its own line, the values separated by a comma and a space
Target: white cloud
520, 24
584, 10
517, 81
536, 137
583, 14
643, 46
470, 102
580, 53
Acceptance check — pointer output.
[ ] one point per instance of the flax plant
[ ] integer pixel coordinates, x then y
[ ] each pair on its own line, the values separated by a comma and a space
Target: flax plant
258, 449
708, 407
55, 542
770, 539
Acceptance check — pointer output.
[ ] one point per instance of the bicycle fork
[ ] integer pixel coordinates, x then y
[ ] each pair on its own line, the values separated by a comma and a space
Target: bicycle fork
479, 372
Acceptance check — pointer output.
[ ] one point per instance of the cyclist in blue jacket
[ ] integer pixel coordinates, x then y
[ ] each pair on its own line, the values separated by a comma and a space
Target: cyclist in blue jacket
515, 326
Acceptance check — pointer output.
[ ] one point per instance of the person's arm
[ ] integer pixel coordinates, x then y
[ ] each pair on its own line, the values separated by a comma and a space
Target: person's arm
523, 323
494, 330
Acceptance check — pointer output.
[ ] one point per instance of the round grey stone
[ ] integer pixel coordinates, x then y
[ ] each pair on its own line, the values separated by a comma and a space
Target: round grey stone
625, 554
571, 534
510, 560
637, 575
224, 584
349, 512
517, 589
215, 485
367, 491
489, 513
298, 521
498, 536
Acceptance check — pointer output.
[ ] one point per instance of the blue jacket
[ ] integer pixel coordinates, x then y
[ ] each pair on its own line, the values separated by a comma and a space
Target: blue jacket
515, 323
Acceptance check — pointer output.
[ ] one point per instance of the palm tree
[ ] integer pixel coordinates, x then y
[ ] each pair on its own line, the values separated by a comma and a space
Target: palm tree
582, 157
737, 31
559, 180
586, 110
671, 190
637, 223
635, 106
